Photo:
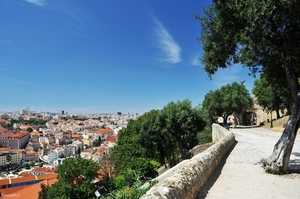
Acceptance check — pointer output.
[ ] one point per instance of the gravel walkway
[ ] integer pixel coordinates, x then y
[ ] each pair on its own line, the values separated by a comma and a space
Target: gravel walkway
241, 174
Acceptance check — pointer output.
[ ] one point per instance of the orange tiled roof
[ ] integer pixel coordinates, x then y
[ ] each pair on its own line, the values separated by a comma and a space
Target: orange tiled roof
35, 133
3, 129
27, 179
23, 179
112, 138
31, 152
46, 176
9, 191
101, 149
75, 136
14, 135
29, 192
4, 181
24, 174
104, 131
40, 169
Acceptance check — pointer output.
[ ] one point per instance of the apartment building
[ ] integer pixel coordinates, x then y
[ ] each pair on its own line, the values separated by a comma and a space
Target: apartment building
29, 156
14, 140
11, 157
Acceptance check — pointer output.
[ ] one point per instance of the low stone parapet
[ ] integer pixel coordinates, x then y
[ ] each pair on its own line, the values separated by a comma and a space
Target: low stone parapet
186, 179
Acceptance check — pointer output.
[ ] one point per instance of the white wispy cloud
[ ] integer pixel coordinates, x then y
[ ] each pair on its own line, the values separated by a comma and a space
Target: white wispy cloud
37, 2
169, 49
196, 60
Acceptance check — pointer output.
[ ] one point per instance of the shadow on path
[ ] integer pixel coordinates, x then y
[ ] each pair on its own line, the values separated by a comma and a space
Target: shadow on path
294, 164
215, 175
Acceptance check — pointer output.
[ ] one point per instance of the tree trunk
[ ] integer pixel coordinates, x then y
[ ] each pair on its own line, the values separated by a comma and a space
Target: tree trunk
283, 148
180, 146
280, 157
277, 113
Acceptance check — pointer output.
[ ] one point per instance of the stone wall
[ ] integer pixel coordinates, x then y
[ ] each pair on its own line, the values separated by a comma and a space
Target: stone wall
264, 117
186, 179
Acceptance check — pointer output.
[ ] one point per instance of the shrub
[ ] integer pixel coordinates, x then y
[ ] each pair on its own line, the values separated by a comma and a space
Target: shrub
205, 136
120, 182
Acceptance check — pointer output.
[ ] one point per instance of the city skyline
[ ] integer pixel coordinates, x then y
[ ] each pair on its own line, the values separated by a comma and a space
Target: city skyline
104, 56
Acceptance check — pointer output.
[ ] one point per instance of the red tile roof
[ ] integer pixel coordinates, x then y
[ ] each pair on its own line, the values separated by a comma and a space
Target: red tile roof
104, 131
101, 149
27, 179
40, 169
4, 181
31, 152
112, 138
10, 191
29, 191
3, 129
75, 136
14, 135
35, 133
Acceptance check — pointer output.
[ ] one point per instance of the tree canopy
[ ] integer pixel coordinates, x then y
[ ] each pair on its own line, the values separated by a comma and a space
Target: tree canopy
75, 180
158, 135
264, 94
229, 99
263, 35
183, 123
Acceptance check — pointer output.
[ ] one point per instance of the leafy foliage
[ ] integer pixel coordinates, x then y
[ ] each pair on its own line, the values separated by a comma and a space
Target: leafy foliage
128, 147
157, 136
259, 34
75, 177
263, 35
272, 94
205, 136
134, 192
264, 94
183, 123
229, 99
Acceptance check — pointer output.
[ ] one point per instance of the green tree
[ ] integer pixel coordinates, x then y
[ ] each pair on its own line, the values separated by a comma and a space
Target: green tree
270, 95
229, 99
29, 129
75, 179
183, 123
264, 93
155, 137
282, 98
98, 141
43, 192
263, 35
127, 148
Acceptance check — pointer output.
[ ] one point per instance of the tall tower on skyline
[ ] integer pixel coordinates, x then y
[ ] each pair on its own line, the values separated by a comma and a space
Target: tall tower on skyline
25, 111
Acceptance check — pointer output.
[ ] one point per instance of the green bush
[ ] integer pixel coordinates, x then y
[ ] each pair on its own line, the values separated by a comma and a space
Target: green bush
146, 167
130, 177
135, 192
155, 164
120, 182
205, 136
27, 166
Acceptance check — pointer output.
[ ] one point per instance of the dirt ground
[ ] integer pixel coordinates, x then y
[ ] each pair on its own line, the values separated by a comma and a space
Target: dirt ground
277, 124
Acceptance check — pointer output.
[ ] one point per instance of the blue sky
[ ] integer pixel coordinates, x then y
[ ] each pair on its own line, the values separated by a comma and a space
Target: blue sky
102, 56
